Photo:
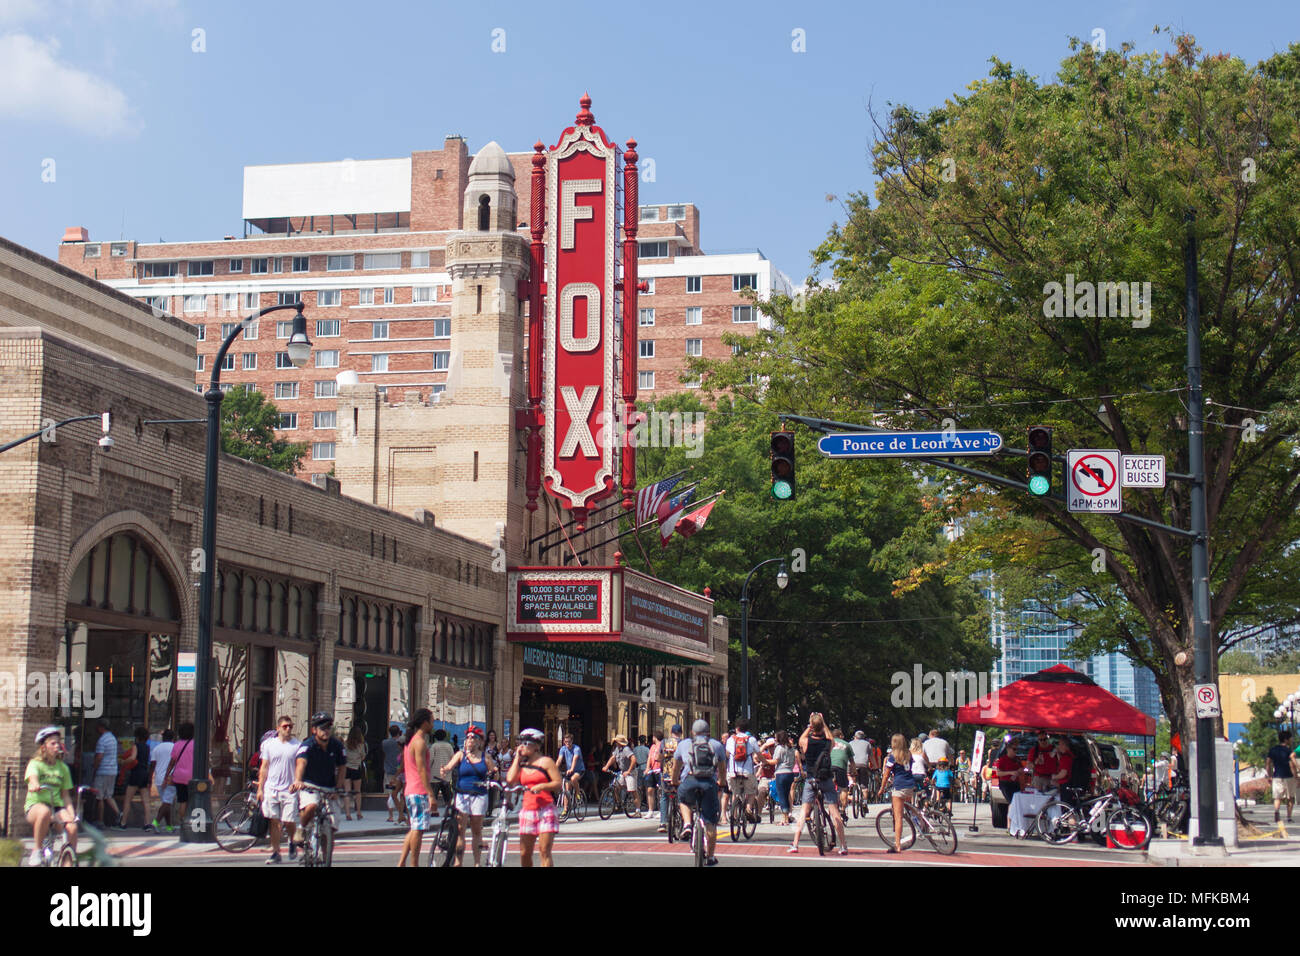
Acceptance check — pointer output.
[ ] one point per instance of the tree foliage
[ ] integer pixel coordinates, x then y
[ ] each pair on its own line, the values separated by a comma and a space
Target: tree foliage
248, 423
936, 310
1261, 733
850, 619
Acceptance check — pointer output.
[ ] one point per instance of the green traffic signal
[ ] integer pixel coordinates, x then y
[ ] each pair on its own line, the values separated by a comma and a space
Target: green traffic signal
782, 490
1039, 485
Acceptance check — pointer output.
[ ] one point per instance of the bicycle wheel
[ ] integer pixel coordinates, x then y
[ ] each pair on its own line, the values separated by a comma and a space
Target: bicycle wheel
1129, 828
580, 805
1061, 828
325, 852
941, 834
234, 828
734, 819
631, 805
819, 829
608, 802
67, 856
564, 807
748, 822
443, 849
698, 840
885, 828
498, 855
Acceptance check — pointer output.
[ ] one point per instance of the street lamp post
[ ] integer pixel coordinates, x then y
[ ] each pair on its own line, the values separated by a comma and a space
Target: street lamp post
105, 442
782, 579
200, 797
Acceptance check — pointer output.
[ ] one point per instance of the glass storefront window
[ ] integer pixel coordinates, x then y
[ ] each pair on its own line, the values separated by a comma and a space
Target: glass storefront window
293, 689
457, 702
162, 660
229, 748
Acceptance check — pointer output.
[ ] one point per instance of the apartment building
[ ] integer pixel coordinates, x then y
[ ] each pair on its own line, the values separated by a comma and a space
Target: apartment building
361, 244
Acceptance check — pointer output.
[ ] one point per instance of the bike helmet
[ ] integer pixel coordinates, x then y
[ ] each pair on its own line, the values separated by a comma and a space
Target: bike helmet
46, 732
321, 719
473, 731
532, 736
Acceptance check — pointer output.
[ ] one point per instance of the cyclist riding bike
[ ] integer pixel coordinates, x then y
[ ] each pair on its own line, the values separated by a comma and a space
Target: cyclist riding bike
742, 746
666, 751
841, 757
860, 750
571, 765
699, 768
49, 791
322, 762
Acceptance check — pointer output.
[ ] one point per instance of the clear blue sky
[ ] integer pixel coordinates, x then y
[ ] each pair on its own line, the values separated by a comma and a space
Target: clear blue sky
149, 138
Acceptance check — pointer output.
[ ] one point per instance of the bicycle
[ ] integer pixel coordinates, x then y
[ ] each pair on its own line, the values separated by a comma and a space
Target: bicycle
234, 822
857, 800
742, 818
65, 855
1063, 821
572, 803
935, 826
699, 840
318, 839
616, 796
821, 829
501, 822
443, 849
675, 822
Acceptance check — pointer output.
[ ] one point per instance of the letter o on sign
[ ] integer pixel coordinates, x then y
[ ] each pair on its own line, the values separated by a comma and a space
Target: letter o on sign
580, 290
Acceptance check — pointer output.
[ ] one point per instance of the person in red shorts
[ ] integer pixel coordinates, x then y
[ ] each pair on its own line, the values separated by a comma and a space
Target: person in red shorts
538, 773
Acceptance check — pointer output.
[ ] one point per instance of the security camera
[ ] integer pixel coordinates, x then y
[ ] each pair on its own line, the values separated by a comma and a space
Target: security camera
106, 444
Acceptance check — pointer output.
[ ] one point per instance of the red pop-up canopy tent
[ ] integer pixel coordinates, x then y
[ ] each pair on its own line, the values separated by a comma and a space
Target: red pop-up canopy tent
1058, 699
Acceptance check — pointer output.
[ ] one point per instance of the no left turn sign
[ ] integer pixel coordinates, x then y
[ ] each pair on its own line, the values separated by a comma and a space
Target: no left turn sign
1092, 481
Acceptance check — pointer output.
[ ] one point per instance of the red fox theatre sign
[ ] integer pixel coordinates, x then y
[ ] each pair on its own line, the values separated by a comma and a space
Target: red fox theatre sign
577, 419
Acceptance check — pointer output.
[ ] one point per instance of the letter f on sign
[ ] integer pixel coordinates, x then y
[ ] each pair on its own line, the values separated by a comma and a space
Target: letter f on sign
579, 409
570, 211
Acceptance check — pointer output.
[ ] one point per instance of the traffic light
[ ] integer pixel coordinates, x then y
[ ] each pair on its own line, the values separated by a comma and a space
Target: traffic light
1040, 460
782, 465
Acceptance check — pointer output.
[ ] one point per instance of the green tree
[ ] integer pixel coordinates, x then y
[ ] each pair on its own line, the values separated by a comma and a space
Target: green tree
1261, 733
941, 307
1240, 662
850, 617
248, 423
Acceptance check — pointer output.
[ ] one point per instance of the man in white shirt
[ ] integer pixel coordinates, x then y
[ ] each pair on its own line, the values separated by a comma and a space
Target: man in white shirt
741, 780
936, 749
160, 755
105, 773
274, 780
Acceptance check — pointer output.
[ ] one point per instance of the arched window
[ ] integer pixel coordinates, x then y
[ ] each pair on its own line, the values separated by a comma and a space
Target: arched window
484, 213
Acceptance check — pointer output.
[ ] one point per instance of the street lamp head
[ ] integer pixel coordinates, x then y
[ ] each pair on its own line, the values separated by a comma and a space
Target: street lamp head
782, 579
299, 345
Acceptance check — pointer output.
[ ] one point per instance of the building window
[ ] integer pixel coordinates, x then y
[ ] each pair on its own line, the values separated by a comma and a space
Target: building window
250, 300
388, 296
693, 382
652, 250
230, 302
228, 362
199, 268
203, 332
365, 296
383, 260
442, 328
746, 281
735, 350
117, 249
649, 213
284, 330
286, 390
250, 329
236, 265
91, 251
645, 380
695, 347
676, 213
198, 365
250, 361
159, 270
160, 302
282, 360
288, 421
227, 328
301, 264
327, 358
322, 419
645, 317
437, 389
196, 303
327, 298
646, 348
326, 389
257, 267
379, 330
420, 260
742, 313
249, 388
379, 362
327, 328
322, 451
422, 293
340, 263
695, 315
693, 283
288, 298
441, 361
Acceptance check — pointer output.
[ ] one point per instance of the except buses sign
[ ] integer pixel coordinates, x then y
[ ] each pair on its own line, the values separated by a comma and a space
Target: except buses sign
579, 388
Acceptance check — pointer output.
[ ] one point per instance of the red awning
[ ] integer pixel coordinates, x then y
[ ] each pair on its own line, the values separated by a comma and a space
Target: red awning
1058, 699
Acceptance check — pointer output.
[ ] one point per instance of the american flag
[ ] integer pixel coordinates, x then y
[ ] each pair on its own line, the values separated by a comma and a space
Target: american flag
650, 497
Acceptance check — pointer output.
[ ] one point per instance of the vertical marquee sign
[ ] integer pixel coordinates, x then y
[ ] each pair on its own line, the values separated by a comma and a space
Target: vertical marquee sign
579, 395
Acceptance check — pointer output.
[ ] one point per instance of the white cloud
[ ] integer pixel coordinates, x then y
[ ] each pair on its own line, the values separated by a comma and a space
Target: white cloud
17, 11
35, 85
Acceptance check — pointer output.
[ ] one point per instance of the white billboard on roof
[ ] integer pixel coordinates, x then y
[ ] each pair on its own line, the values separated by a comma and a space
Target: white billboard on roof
327, 189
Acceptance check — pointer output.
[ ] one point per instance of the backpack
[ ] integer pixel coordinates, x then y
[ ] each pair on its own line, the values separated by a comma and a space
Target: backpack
820, 768
702, 759
740, 752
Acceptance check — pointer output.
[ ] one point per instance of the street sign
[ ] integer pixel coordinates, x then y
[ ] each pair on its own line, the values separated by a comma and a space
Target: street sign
1092, 481
1207, 701
1142, 471
1136, 753
908, 444
186, 670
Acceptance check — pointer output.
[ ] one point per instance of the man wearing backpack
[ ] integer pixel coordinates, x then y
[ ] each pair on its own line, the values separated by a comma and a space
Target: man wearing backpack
699, 766
666, 751
741, 747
